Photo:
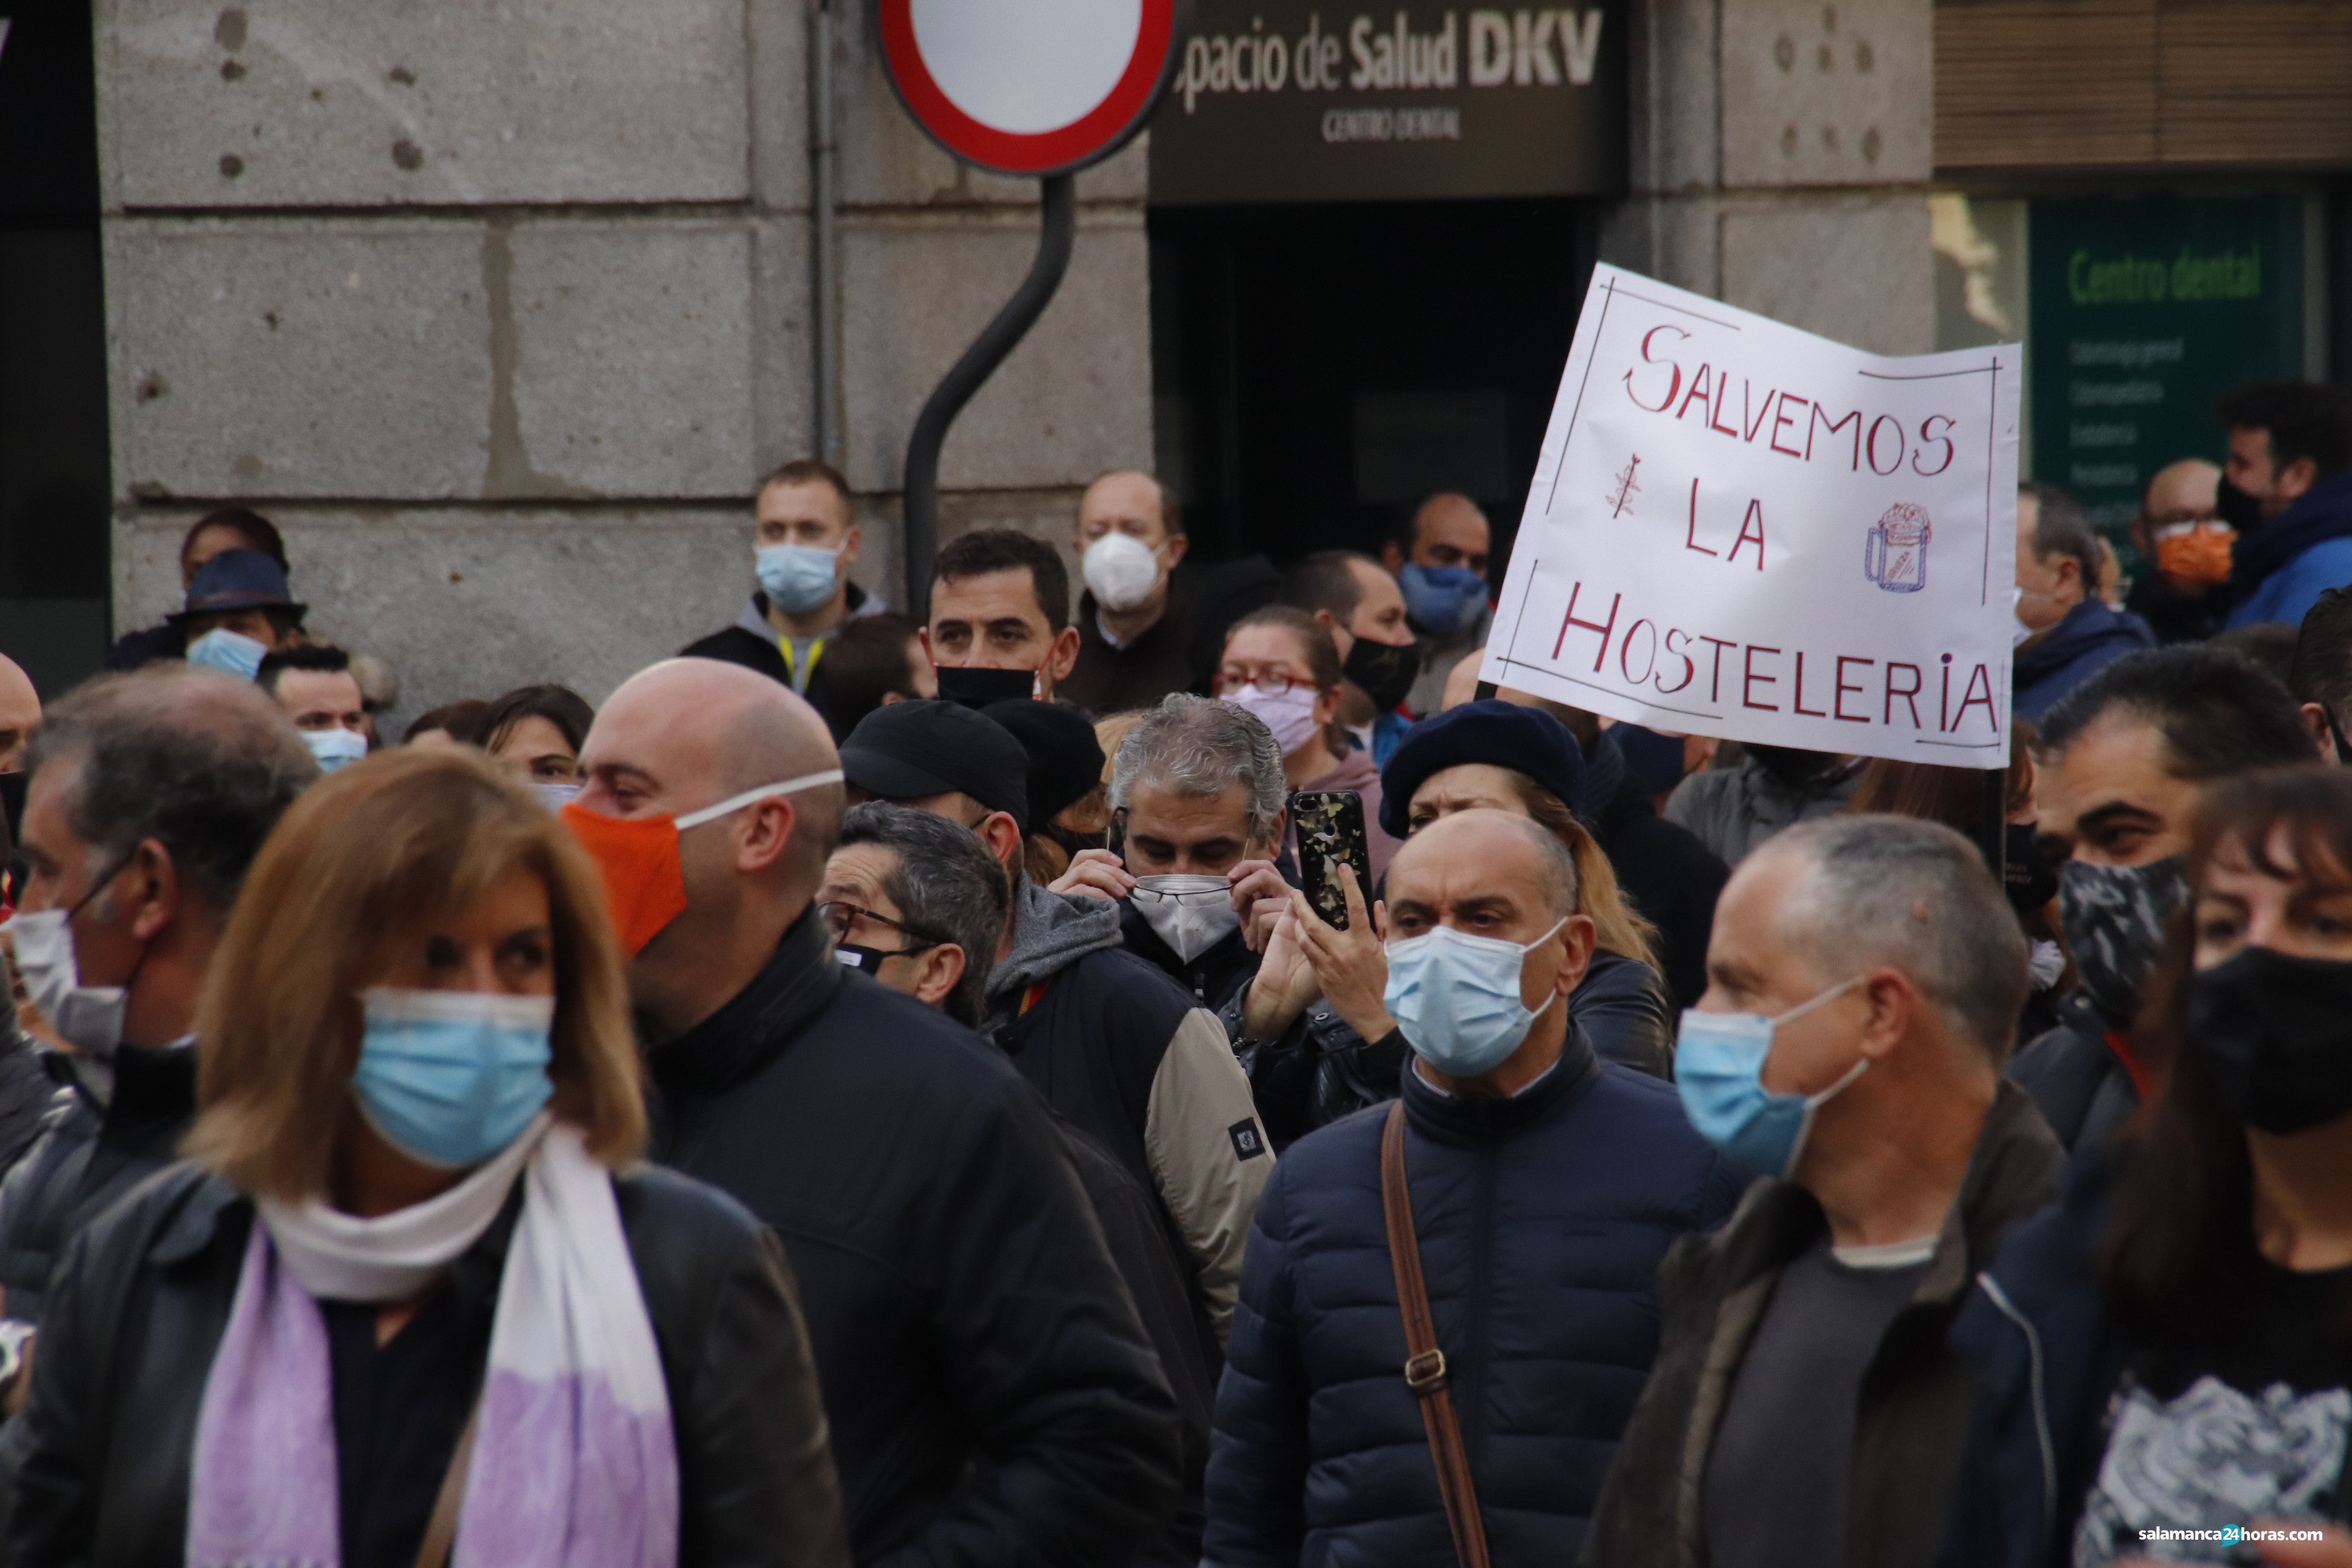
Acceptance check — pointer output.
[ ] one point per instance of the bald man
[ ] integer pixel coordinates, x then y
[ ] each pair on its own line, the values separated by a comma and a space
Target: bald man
1546, 1185
20, 713
2185, 551
1440, 559
1135, 629
992, 1395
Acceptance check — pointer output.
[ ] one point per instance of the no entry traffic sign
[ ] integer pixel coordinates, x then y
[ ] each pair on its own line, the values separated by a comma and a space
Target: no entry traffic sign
1029, 86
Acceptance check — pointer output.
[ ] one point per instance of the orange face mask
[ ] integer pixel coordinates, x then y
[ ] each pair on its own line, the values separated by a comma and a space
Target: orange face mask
2196, 554
645, 886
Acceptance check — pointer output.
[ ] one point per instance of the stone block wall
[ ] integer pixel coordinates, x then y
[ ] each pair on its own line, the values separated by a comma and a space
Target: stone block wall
1781, 154
501, 314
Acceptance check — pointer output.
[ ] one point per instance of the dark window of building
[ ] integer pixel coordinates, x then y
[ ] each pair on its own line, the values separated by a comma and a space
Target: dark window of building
1316, 370
54, 485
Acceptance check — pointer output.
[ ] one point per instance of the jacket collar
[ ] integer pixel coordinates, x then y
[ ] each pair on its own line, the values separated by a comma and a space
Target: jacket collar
2009, 1175
2085, 626
1467, 1122
755, 618
799, 981
2321, 513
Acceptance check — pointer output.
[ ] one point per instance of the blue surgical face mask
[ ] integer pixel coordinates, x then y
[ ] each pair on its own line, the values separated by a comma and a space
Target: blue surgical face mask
333, 748
1457, 997
450, 1077
798, 577
231, 653
1440, 598
1719, 1071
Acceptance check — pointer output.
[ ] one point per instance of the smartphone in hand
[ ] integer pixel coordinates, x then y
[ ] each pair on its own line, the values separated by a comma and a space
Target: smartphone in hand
1330, 826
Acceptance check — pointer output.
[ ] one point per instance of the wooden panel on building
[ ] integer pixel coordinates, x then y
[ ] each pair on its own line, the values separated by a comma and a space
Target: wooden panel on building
2255, 82
2036, 83
2082, 84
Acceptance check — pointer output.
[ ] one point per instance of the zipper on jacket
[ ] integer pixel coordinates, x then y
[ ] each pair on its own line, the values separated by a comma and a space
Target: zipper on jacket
2002, 1302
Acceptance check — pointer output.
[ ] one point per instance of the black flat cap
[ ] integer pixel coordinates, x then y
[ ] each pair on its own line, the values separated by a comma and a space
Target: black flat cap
904, 750
1066, 761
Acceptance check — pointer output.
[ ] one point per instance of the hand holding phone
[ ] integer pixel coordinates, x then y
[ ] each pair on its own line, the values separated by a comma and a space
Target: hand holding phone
1330, 827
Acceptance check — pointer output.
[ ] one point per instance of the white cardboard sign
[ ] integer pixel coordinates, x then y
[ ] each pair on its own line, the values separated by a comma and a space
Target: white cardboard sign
1741, 529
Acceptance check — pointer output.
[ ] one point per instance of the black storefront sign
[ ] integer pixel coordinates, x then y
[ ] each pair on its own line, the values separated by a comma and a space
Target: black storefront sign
1285, 100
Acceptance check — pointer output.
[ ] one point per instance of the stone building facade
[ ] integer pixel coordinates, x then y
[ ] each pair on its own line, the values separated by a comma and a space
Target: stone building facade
500, 311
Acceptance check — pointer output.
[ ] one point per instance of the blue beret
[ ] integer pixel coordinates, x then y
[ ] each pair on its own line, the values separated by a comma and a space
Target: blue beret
1501, 734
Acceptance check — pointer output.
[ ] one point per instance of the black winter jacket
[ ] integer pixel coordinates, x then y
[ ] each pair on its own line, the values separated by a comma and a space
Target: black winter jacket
1127, 1055
2078, 1081
1541, 1220
90, 1155
2047, 1359
1671, 879
1320, 1069
1908, 1430
993, 1400
142, 1297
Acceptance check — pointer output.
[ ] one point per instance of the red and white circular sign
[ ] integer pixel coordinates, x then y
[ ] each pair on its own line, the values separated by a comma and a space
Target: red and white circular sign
1029, 86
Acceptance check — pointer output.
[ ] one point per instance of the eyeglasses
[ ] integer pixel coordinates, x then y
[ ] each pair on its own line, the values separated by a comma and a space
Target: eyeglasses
840, 918
1231, 679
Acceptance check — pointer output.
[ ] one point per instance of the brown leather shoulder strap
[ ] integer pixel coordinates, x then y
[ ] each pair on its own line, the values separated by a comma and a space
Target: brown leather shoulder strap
1425, 1367
441, 1530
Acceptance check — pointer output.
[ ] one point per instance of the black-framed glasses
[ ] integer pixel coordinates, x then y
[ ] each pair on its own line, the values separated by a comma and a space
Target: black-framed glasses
840, 916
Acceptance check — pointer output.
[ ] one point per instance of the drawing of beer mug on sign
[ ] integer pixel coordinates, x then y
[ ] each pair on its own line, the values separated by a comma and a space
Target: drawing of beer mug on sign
1894, 552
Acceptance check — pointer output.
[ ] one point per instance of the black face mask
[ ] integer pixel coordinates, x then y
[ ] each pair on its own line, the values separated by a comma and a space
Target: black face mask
2026, 876
978, 688
2276, 1033
1386, 672
2114, 918
2241, 509
1790, 766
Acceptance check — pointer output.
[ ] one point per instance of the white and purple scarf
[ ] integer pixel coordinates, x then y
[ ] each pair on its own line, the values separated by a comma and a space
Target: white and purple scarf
574, 1463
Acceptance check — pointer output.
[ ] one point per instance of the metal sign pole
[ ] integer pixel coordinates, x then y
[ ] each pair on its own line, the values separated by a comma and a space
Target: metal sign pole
997, 340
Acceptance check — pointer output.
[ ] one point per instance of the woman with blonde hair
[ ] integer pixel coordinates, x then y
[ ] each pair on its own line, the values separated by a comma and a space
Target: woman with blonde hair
413, 1300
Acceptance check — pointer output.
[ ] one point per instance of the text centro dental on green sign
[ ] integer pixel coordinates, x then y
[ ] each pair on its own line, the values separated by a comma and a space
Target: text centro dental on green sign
2144, 310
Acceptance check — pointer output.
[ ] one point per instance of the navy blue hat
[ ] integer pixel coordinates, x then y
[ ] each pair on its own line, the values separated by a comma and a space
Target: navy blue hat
237, 580
904, 750
1498, 733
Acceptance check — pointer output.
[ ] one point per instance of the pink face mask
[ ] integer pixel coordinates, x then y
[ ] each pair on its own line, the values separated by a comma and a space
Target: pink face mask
1289, 712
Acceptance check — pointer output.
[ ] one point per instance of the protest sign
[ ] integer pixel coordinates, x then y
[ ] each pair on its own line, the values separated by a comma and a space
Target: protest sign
1737, 529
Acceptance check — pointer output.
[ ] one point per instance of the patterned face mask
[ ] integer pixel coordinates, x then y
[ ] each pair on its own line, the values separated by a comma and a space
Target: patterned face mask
2114, 917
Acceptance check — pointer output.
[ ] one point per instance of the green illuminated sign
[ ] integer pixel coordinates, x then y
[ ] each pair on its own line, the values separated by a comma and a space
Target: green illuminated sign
2144, 310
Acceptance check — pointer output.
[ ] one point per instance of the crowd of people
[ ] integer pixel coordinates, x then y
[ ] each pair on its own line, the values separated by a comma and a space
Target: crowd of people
878, 1088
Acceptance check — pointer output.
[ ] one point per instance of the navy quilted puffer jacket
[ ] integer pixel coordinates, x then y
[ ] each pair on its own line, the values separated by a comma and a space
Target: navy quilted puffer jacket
1542, 1220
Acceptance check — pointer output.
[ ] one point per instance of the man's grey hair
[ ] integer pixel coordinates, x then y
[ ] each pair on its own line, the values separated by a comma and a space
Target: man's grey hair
202, 763
1197, 747
946, 886
2062, 529
1916, 896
